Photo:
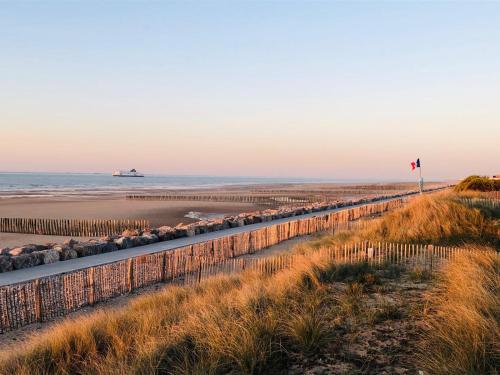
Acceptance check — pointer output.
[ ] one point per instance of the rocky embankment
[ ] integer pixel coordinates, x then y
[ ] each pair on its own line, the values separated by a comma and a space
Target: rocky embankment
33, 255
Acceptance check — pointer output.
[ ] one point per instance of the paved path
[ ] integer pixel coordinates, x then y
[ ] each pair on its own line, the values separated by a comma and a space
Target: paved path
45, 270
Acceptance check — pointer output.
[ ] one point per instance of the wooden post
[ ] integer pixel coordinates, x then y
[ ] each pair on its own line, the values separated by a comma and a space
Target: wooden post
199, 270
91, 286
38, 301
430, 249
163, 267
130, 274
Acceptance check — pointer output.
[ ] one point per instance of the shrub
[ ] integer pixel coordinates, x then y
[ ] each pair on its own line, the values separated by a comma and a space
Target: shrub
478, 183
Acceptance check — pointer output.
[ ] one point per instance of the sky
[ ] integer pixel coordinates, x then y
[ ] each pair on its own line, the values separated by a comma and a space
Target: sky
338, 90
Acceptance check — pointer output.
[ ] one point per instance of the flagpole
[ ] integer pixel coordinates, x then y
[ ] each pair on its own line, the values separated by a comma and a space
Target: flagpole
420, 181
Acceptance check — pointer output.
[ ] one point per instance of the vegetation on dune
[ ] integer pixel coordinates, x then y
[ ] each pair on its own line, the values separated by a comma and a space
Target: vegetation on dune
478, 183
463, 335
253, 323
440, 219
247, 324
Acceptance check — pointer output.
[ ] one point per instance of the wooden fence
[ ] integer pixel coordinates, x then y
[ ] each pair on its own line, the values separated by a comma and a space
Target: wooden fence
414, 256
482, 202
271, 200
54, 296
70, 227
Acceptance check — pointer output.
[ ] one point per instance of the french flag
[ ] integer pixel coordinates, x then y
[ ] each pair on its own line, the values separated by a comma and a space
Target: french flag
415, 164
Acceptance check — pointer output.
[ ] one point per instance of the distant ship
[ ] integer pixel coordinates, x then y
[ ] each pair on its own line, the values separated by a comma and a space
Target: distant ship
131, 173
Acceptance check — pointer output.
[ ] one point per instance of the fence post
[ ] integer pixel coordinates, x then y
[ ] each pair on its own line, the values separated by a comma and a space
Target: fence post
38, 301
91, 286
430, 249
130, 275
199, 270
163, 267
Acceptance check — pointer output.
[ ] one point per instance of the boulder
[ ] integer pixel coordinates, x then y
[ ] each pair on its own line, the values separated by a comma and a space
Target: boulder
140, 240
49, 256
149, 237
71, 242
166, 233
124, 242
26, 261
232, 223
5, 263
18, 251
180, 232
84, 249
5, 251
201, 227
66, 252
130, 233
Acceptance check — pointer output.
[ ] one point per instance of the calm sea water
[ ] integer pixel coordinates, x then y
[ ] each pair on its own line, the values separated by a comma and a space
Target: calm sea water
45, 184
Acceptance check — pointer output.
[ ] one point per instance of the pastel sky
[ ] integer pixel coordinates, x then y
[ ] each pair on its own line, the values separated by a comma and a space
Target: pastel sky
310, 89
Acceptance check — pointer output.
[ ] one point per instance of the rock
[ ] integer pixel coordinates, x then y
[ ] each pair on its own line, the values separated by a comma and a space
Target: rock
5, 263
201, 228
232, 223
66, 252
124, 242
149, 238
180, 232
84, 249
166, 233
130, 233
140, 240
5, 251
49, 256
71, 242
26, 261
17, 251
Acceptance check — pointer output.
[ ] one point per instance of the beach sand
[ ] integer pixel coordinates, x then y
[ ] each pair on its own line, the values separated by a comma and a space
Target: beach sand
113, 205
157, 212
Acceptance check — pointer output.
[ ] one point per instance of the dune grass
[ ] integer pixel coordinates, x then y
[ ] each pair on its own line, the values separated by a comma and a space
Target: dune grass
478, 183
463, 335
439, 219
248, 323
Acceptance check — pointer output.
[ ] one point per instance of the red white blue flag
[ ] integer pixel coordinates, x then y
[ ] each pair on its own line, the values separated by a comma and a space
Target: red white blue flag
415, 164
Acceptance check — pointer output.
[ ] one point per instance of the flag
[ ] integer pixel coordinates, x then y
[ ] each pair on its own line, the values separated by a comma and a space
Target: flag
418, 163
412, 165
415, 164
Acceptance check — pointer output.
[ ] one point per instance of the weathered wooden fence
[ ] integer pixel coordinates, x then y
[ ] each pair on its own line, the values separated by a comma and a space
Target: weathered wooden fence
70, 227
492, 203
50, 297
257, 199
415, 256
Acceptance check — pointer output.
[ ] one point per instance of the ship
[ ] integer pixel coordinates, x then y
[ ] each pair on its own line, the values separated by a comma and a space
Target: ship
131, 173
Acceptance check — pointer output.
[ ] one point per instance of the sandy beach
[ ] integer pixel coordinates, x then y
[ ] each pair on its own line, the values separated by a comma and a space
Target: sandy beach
117, 207
113, 205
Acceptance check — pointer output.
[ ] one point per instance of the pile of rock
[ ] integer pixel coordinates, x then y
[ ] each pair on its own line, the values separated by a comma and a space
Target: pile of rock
34, 255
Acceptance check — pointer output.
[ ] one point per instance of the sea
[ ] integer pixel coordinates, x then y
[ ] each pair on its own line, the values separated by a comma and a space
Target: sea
14, 185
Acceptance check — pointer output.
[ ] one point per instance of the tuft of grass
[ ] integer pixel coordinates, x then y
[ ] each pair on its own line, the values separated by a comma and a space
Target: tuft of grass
308, 327
351, 300
463, 336
387, 311
420, 275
